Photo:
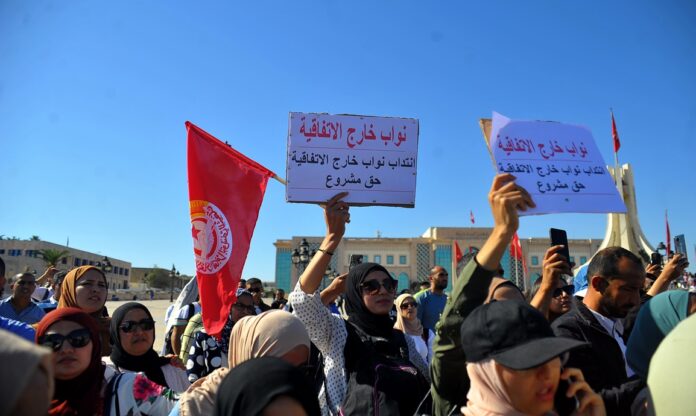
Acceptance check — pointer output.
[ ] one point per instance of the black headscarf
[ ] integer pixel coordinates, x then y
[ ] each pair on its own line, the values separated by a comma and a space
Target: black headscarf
252, 385
149, 363
358, 314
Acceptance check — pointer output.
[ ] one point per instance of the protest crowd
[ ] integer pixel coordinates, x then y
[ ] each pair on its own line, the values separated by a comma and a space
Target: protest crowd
483, 349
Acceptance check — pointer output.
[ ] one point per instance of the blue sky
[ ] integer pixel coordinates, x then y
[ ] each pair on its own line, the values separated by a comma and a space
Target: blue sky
94, 96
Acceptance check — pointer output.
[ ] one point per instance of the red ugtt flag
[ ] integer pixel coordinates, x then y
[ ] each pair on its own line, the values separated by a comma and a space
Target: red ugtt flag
225, 193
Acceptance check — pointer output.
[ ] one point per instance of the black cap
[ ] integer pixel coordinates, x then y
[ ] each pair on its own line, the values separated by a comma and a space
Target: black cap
514, 334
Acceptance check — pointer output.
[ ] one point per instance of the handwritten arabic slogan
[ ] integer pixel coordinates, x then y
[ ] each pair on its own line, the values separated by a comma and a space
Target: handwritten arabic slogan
373, 158
559, 164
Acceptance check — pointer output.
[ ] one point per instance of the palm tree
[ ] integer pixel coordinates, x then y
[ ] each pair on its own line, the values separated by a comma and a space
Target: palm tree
34, 238
52, 257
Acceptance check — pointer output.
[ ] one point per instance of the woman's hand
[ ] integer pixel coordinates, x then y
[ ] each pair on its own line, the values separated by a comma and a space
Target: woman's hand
590, 403
336, 215
175, 361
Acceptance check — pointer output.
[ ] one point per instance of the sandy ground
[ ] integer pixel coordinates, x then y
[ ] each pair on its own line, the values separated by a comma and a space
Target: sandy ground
157, 308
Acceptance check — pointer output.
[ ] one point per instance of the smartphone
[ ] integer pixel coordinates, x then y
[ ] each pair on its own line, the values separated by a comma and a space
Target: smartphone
355, 259
563, 404
680, 245
559, 237
656, 259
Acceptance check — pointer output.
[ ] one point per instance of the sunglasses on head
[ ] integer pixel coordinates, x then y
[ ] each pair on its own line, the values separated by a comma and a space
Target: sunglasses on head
77, 338
130, 326
372, 286
569, 289
405, 305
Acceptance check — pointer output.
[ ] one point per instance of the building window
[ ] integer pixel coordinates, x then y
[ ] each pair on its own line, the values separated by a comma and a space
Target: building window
390, 259
2, 251
84, 262
365, 259
125, 272
535, 260
402, 259
64, 260
378, 259
77, 262
583, 259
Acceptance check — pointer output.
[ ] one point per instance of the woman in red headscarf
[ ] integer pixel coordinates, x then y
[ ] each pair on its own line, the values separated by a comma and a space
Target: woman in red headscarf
84, 385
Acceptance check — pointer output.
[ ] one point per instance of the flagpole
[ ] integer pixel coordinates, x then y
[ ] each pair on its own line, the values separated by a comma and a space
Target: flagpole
279, 179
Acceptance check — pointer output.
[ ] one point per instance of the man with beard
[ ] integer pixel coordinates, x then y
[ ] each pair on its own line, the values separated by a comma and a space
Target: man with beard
615, 279
431, 302
19, 306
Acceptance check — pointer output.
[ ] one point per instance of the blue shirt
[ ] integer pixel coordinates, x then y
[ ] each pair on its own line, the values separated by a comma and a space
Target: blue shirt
18, 328
29, 315
430, 307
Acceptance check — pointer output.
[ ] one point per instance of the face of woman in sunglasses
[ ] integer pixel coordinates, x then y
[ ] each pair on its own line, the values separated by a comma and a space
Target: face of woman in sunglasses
408, 308
90, 291
560, 302
378, 301
69, 361
137, 341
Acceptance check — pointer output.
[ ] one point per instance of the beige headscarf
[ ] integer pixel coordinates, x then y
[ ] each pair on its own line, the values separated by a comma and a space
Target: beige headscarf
27, 375
272, 333
412, 326
487, 395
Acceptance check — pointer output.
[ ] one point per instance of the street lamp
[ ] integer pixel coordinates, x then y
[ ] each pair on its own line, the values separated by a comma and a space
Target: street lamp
301, 255
173, 273
105, 266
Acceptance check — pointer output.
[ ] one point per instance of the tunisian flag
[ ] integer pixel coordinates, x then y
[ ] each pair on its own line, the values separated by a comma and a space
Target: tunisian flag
615, 134
516, 251
225, 193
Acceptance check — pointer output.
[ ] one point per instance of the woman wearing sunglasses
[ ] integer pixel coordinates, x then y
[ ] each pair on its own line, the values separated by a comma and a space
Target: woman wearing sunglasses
407, 322
84, 385
86, 288
370, 367
132, 337
550, 293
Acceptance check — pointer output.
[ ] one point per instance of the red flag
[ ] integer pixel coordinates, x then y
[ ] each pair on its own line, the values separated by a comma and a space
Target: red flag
516, 251
457, 252
471, 216
225, 193
615, 134
669, 236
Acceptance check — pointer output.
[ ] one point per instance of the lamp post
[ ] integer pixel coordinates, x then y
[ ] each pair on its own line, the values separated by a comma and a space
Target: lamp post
105, 266
301, 255
173, 273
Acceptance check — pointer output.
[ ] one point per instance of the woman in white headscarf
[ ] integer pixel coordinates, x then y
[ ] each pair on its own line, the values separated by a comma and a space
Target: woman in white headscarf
407, 322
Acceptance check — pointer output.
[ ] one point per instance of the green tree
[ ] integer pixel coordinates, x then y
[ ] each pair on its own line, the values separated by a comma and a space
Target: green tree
52, 257
34, 238
158, 278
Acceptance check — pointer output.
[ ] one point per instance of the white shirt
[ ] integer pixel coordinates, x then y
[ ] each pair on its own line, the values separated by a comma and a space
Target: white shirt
615, 328
425, 351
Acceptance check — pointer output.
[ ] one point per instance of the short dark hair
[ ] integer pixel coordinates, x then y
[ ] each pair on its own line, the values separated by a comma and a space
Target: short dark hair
242, 281
253, 281
280, 290
425, 283
2, 267
606, 262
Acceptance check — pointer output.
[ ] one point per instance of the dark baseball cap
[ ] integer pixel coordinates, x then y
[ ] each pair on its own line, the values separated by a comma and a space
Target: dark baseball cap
514, 334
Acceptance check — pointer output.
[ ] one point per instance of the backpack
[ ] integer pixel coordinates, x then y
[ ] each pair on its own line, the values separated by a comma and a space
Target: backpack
380, 377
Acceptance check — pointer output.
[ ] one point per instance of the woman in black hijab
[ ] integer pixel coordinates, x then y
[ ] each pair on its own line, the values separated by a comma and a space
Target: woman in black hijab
285, 390
132, 337
370, 367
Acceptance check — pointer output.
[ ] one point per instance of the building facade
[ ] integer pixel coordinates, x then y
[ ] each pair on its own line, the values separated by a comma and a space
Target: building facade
409, 260
22, 255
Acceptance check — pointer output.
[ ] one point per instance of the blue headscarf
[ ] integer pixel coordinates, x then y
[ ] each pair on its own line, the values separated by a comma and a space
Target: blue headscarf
655, 320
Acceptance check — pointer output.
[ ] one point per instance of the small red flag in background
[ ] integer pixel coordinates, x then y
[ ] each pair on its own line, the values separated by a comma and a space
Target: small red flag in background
516, 251
226, 189
458, 257
615, 134
471, 216
669, 236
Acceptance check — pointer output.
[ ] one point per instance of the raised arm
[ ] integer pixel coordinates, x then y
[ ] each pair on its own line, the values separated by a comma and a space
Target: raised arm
673, 269
555, 265
336, 215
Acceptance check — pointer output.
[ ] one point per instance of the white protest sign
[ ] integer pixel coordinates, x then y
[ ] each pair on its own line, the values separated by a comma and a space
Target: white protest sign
559, 164
372, 158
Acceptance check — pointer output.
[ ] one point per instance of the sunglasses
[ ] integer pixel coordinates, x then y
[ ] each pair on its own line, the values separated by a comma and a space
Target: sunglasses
77, 338
569, 289
130, 326
372, 286
254, 290
406, 305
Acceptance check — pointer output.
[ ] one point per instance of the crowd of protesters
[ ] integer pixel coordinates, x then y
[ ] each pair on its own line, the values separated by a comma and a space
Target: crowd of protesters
619, 347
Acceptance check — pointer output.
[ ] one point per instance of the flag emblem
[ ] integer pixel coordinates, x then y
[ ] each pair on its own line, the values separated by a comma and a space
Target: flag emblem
212, 237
